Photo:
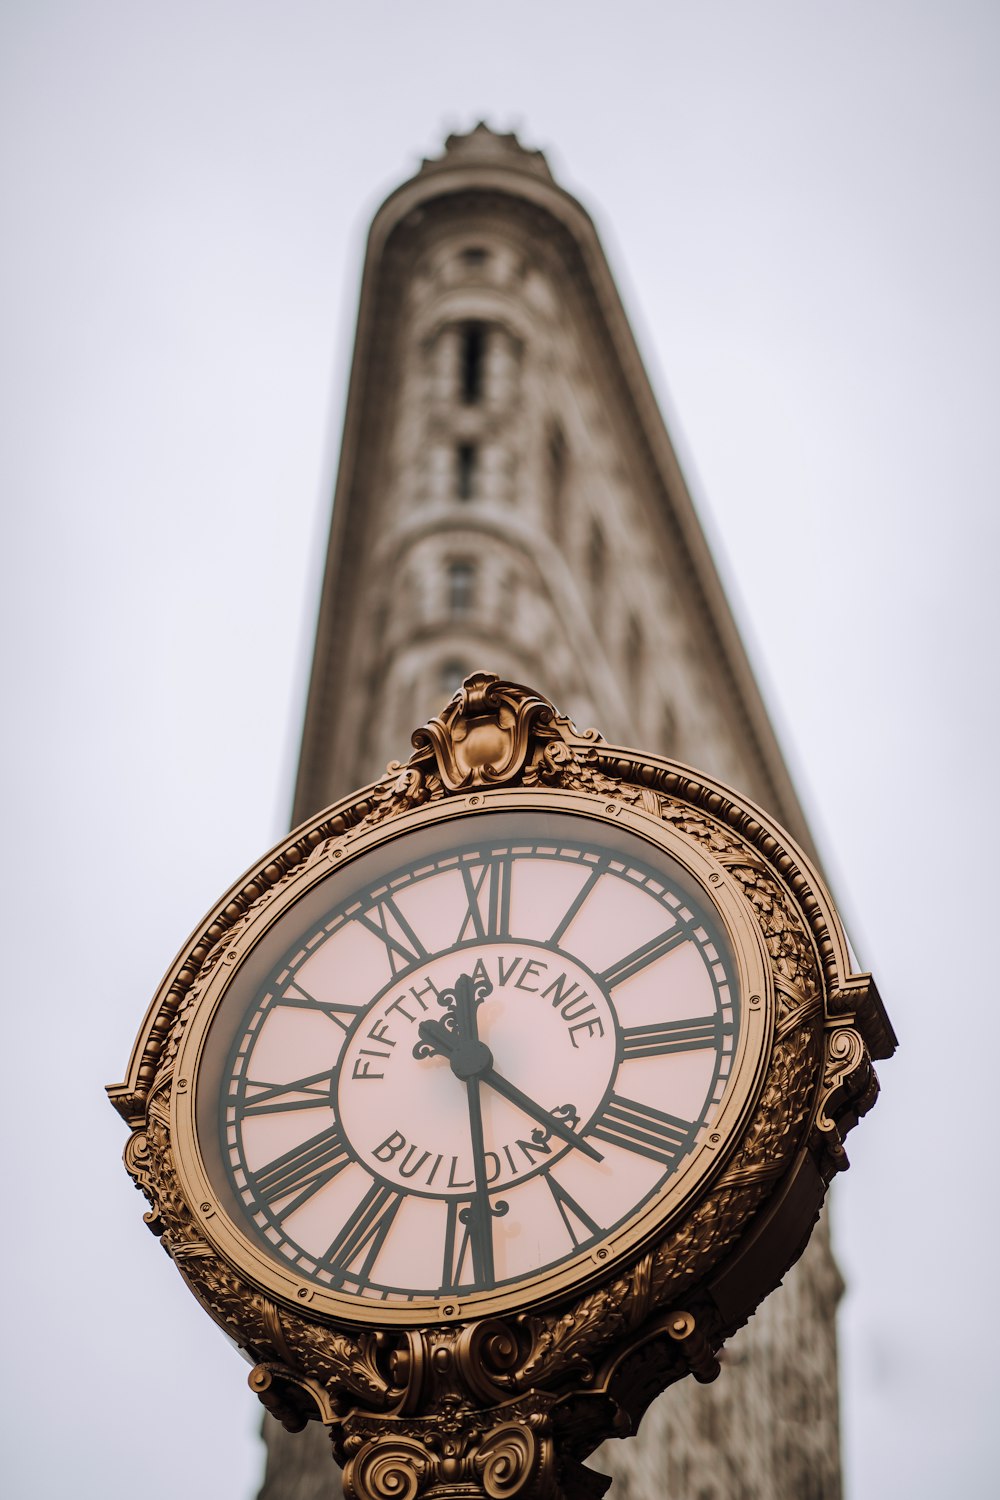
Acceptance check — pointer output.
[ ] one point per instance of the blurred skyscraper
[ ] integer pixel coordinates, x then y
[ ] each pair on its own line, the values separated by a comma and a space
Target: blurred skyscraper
508, 499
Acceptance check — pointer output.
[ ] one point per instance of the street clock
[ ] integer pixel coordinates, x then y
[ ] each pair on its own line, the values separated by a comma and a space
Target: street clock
498, 1095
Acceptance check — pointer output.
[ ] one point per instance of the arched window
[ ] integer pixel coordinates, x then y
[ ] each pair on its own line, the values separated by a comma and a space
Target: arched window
668, 730
461, 585
634, 649
472, 359
596, 558
556, 463
466, 464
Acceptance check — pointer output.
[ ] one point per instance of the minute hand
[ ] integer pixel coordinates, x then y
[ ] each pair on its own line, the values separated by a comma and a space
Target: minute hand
558, 1127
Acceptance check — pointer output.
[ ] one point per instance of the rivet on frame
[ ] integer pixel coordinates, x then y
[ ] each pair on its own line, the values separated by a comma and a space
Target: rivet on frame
754, 1000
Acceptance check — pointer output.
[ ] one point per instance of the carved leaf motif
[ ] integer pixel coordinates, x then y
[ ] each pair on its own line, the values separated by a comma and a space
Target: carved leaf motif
560, 764
785, 1104
710, 835
403, 788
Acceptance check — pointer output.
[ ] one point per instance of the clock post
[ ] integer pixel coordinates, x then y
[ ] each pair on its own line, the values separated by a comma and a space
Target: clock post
495, 1098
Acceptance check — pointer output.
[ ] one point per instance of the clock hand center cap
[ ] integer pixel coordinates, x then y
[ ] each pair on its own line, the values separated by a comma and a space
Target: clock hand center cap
470, 1059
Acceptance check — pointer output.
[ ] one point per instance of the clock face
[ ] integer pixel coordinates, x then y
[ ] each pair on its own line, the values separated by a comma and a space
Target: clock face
475, 1057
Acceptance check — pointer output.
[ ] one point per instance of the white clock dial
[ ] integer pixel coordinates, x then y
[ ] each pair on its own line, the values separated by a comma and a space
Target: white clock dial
481, 1063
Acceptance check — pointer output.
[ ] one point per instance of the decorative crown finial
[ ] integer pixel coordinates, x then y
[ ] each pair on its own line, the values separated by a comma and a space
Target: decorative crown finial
484, 736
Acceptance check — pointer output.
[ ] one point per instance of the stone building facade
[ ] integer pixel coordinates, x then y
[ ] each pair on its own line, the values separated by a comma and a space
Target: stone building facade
508, 499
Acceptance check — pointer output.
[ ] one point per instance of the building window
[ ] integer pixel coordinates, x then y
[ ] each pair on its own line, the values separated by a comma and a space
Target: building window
461, 585
556, 478
634, 649
466, 463
510, 598
453, 674
596, 558
668, 730
472, 359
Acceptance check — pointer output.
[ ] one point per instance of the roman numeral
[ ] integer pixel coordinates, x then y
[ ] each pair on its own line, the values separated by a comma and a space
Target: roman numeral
588, 885
364, 1233
303, 1170
403, 947
457, 1247
572, 1215
640, 1128
468, 1242
335, 1010
267, 1097
640, 958
487, 890
671, 1036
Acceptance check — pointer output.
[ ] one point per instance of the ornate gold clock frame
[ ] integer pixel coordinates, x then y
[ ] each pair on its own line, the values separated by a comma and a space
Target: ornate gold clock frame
505, 1395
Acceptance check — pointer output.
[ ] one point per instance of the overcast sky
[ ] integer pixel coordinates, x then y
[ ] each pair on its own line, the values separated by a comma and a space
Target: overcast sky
799, 201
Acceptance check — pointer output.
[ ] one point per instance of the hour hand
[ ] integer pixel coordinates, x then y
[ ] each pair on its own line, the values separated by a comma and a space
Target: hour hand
456, 1036
436, 1040
468, 1056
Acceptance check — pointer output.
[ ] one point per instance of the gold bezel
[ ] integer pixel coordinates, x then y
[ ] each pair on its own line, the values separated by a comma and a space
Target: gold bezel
756, 991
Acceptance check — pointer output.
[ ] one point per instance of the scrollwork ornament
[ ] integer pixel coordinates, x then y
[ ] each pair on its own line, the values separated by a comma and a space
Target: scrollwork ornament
487, 1354
508, 1460
388, 1468
849, 1085
482, 738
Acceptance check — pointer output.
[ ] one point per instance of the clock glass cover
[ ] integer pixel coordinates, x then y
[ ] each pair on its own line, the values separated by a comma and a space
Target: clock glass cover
474, 1056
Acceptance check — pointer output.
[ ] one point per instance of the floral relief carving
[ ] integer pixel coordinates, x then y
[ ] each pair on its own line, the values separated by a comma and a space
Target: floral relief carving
402, 789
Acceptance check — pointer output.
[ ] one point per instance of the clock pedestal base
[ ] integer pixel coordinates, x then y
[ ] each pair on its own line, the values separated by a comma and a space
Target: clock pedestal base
448, 1430
508, 1453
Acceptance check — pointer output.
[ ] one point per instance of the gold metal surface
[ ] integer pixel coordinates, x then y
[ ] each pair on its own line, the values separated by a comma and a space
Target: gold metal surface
504, 1392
